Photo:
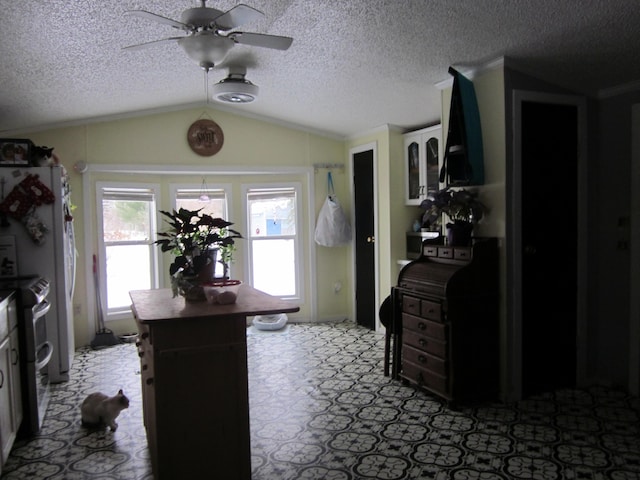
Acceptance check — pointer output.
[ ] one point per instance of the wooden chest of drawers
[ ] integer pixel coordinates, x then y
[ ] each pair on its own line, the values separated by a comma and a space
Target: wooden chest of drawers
446, 308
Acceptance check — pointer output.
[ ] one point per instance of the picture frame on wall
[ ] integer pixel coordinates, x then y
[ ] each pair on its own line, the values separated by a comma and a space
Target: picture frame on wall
15, 151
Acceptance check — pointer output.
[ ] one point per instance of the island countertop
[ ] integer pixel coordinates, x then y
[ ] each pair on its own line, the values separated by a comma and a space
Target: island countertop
159, 305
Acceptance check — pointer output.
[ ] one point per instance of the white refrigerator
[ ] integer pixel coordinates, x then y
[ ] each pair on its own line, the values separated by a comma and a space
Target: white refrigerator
35, 209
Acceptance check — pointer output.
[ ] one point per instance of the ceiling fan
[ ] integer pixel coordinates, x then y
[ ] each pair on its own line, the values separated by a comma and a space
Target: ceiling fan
208, 39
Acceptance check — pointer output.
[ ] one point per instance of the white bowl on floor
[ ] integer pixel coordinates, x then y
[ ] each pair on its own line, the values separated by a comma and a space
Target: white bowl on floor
270, 322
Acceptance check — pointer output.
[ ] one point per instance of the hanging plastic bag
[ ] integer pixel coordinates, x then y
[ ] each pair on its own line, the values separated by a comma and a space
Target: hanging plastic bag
332, 227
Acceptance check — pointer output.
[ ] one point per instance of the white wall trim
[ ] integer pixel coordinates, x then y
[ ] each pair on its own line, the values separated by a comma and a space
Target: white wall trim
634, 261
514, 333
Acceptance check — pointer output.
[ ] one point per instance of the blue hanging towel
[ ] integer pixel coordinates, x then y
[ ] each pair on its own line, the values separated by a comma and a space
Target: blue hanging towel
463, 162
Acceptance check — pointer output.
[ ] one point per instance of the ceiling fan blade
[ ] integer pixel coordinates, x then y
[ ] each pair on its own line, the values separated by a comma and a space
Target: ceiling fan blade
261, 40
140, 46
238, 15
157, 18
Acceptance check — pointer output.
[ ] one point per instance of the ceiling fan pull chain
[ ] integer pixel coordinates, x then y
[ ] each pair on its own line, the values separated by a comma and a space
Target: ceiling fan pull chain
206, 85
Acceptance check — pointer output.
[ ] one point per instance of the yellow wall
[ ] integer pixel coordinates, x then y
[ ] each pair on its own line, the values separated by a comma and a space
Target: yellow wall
160, 139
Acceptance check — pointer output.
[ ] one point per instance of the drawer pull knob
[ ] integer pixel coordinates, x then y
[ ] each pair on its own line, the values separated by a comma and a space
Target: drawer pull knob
149, 381
423, 342
141, 354
422, 326
422, 359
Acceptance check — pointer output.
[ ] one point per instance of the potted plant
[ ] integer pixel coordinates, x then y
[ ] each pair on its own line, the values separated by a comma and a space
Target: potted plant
462, 208
196, 240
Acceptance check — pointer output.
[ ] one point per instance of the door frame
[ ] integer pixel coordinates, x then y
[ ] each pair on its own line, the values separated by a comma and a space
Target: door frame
376, 254
634, 262
514, 250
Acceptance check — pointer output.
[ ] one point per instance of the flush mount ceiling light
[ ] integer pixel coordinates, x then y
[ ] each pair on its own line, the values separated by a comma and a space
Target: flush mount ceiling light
235, 88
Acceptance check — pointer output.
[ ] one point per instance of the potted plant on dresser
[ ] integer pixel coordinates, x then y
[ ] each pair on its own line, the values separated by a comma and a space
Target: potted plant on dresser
462, 208
197, 241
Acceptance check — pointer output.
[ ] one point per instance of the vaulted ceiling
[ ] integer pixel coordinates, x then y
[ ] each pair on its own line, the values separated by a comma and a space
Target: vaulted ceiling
354, 65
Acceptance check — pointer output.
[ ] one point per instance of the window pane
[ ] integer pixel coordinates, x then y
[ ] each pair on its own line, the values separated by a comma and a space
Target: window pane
216, 207
272, 214
274, 266
125, 220
128, 268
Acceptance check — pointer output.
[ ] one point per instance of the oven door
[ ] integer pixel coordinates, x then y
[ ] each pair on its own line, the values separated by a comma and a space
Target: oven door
38, 356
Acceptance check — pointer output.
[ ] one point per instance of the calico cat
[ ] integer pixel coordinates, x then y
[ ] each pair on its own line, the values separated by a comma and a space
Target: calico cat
99, 409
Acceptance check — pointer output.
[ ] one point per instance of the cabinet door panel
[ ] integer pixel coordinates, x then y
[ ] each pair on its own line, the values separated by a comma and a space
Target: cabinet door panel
422, 161
6, 426
16, 388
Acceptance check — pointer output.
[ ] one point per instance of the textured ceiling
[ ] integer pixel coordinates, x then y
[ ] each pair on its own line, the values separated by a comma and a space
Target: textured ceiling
354, 65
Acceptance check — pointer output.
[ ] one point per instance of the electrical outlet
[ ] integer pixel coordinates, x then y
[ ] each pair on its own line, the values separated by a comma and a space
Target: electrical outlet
337, 287
77, 309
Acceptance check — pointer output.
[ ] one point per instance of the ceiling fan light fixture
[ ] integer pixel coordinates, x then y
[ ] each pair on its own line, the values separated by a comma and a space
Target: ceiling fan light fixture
235, 89
206, 48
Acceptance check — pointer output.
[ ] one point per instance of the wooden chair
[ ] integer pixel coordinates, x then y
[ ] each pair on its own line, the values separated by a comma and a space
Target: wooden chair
386, 318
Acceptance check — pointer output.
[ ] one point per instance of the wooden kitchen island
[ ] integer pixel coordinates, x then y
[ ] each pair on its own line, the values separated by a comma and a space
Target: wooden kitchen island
193, 363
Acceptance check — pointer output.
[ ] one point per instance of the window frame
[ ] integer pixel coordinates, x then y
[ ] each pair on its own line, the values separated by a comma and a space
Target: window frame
154, 258
298, 237
227, 188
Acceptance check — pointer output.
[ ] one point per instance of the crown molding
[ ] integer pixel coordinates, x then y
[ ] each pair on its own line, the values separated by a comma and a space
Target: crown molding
472, 71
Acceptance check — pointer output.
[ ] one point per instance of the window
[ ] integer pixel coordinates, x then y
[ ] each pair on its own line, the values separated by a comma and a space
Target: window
211, 200
127, 227
274, 251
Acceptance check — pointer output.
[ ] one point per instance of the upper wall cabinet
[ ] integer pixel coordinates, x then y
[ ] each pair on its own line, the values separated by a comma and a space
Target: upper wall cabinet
422, 160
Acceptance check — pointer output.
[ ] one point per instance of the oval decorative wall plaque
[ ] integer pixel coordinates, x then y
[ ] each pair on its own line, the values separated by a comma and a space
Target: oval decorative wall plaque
205, 137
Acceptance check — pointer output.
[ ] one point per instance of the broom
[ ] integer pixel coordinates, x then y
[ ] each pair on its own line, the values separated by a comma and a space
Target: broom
104, 337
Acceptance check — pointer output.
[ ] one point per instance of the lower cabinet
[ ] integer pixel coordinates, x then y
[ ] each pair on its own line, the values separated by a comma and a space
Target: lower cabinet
195, 398
195, 389
10, 386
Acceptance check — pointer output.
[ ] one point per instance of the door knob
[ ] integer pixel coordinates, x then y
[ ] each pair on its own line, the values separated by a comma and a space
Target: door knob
371, 239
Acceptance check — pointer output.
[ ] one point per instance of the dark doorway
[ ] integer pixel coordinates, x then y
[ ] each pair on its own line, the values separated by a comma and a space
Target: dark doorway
549, 245
364, 238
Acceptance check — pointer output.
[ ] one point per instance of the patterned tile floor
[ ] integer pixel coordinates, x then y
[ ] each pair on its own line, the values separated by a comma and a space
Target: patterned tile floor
320, 408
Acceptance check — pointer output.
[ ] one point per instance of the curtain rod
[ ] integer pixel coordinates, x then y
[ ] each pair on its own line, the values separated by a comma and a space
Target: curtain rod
328, 166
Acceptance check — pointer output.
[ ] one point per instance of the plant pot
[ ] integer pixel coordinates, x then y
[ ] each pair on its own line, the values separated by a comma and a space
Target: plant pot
222, 292
459, 234
188, 287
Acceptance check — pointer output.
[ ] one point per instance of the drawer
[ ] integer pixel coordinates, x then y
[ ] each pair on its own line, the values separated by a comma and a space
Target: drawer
445, 252
435, 364
424, 327
462, 253
424, 343
430, 250
425, 378
411, 304
431, 310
